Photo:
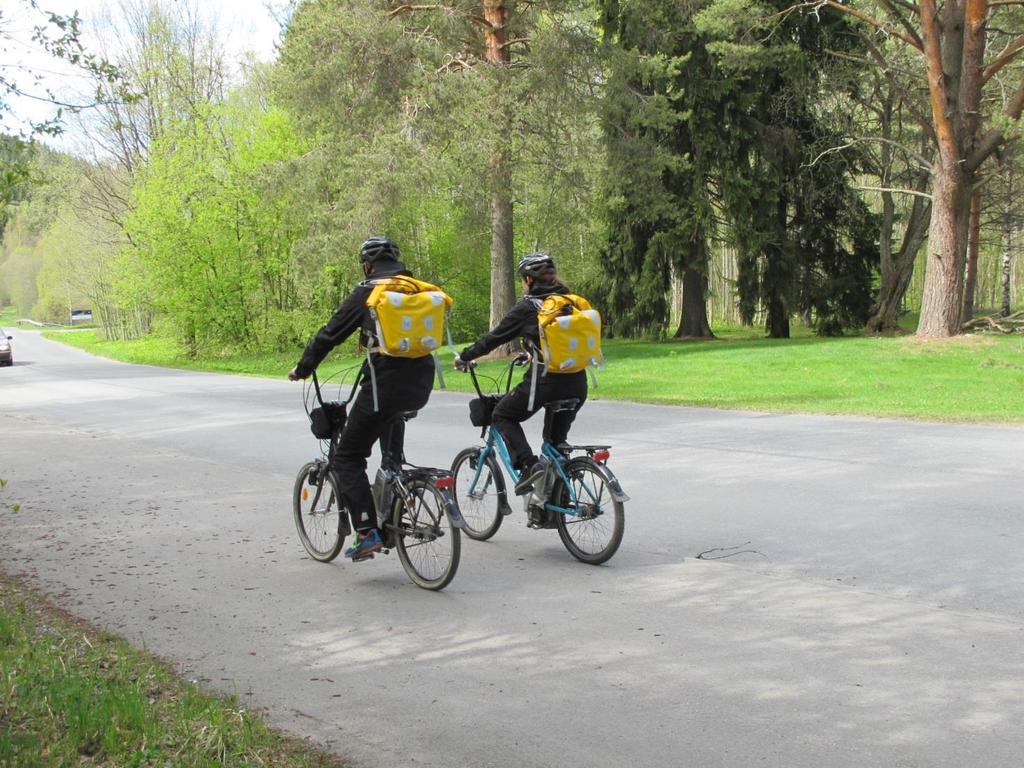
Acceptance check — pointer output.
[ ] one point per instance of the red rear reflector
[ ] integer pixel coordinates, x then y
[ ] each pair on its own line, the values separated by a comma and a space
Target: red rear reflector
602, 455
445, 483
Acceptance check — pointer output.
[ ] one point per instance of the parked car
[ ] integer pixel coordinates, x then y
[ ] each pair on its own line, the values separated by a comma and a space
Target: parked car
6, 353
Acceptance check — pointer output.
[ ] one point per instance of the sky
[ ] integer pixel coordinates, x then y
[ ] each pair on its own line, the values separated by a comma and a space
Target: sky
248, 27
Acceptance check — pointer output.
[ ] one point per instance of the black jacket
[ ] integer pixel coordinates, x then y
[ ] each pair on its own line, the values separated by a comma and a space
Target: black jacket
520, 322
353, 315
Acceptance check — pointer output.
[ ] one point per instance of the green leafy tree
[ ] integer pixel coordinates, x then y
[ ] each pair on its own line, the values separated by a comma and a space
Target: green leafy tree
969, 54
420, 111
661, 107
213, 244
797, 224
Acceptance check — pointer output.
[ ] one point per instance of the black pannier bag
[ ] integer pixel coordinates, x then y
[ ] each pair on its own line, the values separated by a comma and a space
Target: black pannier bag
481, 409
327, 420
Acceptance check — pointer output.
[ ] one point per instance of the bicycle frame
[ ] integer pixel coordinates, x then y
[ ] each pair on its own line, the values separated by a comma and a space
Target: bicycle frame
494, 444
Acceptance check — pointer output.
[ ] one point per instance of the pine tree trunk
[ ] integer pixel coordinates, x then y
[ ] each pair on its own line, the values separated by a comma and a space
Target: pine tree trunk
694, 321
947, 253
503, 291
1007, 262
502, 280
777, 275
897, 269
971, 285
1009, 201
889, 303
777, 323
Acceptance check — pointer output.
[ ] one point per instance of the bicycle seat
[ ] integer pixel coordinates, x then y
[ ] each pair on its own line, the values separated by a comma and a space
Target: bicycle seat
406, 415
569, 404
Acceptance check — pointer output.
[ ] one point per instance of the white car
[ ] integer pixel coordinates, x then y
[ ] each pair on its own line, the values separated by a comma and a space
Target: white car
6, 353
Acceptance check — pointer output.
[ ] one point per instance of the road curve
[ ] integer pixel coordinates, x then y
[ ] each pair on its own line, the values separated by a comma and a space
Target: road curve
868, 611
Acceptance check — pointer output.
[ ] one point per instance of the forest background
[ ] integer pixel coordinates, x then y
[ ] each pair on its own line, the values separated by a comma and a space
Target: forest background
690, 165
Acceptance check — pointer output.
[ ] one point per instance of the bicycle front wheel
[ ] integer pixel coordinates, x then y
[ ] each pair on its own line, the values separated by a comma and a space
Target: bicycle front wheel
593, 534
478, 495
428, 546
319, 512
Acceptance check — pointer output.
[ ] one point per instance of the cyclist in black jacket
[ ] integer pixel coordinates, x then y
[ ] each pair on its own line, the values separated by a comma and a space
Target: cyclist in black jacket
537, 271
403, 384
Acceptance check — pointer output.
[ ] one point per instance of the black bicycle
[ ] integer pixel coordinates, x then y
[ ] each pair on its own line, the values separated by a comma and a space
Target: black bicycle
582, 498
416, 511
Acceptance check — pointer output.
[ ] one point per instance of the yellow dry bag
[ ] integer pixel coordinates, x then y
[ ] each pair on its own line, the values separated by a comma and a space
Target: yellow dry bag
408, 315
570, 333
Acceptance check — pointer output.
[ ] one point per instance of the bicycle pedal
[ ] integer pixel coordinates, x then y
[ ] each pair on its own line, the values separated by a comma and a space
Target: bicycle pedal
364, 557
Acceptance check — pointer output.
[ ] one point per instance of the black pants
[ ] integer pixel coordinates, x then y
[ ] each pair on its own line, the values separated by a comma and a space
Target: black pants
364, 427
513, 409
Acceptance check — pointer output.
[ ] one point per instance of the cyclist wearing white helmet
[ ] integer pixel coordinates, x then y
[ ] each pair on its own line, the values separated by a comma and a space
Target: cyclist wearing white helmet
403, 384
537, 271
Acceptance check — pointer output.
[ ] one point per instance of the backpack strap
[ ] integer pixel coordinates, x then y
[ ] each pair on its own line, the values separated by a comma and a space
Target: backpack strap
373, 380
533, 382
437, 368
535, 366
451, 346
538, 302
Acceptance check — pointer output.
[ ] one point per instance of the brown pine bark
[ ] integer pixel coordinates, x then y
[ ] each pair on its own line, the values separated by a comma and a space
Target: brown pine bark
502, 277
954, 49
947, 253
497, 54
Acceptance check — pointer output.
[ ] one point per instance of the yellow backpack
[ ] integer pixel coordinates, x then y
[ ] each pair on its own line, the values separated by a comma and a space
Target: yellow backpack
408, 315
570, 333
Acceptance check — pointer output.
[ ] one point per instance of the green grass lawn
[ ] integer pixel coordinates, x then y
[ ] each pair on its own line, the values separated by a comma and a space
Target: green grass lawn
970, 378
71, 695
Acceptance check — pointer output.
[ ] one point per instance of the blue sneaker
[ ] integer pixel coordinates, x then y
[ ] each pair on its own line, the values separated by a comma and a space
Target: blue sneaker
364, 544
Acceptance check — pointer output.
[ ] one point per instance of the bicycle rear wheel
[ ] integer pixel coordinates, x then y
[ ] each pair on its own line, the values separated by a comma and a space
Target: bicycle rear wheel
319, 513
428, 546
594, 533
479, 502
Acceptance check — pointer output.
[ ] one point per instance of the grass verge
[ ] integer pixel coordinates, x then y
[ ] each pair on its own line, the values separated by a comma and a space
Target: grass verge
967, 378
71, 695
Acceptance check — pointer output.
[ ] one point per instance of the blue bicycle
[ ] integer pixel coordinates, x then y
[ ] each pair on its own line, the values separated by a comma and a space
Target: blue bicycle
580, 497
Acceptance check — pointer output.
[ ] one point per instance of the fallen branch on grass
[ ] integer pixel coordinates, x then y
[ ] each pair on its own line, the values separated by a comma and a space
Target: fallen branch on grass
996, 324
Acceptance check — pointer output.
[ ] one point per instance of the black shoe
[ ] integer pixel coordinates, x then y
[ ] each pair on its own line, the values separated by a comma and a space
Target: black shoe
529, 479
538, 517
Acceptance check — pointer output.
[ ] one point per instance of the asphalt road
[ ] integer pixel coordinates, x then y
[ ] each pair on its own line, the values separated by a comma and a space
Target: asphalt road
870, 611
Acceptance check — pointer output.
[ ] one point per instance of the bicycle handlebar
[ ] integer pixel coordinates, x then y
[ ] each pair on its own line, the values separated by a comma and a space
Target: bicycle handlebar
316, 387
523, 358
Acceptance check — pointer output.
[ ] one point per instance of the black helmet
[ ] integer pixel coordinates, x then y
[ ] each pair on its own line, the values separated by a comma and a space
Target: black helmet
378, 248
535, 265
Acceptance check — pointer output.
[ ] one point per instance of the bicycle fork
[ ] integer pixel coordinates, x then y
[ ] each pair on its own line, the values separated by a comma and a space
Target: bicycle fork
478, 489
